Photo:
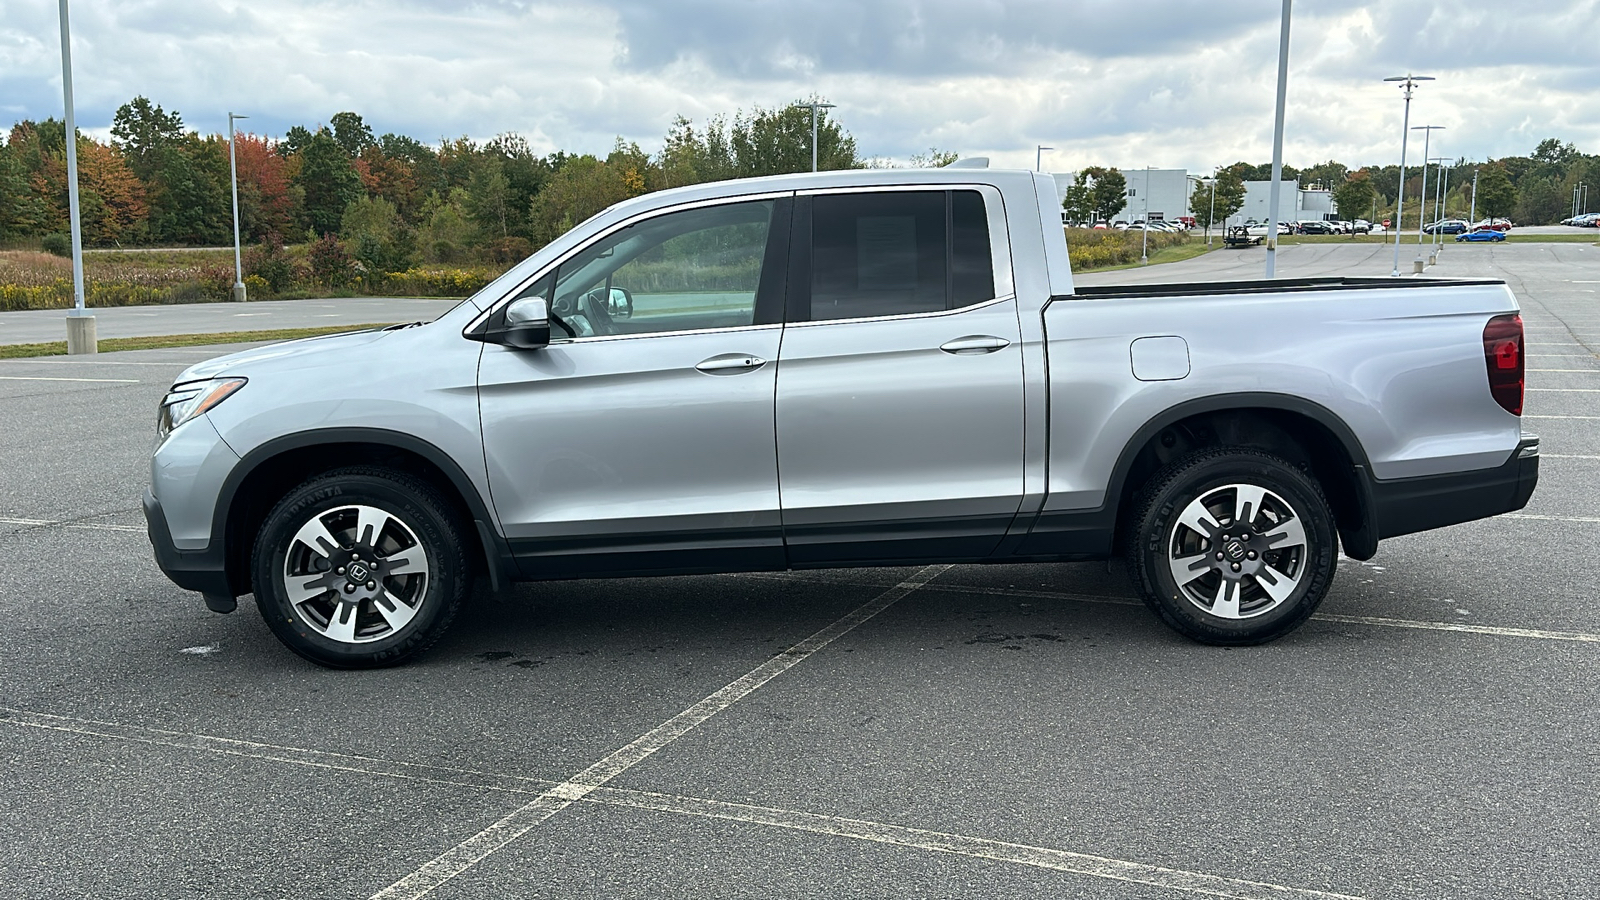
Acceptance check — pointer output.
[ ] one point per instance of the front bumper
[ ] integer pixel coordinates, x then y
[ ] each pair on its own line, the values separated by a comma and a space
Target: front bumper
1409, 505
193, 570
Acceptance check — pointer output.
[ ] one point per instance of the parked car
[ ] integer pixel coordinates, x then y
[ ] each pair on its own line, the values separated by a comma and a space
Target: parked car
1496, 224
853, 368
1362, 226
1482, 234
1316, 226
1447, 226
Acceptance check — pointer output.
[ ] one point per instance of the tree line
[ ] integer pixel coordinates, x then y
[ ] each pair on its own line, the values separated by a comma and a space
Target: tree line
1536, 189
391, 200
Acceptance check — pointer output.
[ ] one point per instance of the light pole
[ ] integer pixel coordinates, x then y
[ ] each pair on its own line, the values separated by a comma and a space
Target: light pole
233, 173
1144, 249
1038, 156
1277, 143
814, 106
80, 325
1444, 201
1438, 203
1408, 81
1427, 132
1472, 216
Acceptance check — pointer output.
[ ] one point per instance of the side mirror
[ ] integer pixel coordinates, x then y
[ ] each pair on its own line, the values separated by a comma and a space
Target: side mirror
620, 304
523, 324
527, 323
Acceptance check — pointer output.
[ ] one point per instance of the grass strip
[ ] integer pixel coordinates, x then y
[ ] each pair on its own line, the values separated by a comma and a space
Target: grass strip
156, 342
1164, 255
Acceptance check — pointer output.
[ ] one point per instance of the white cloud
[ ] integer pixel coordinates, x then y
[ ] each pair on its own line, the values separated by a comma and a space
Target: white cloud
1165, 82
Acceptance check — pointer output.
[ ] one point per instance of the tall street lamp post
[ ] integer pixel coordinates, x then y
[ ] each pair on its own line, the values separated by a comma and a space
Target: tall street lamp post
1144, 249
233, 174
80, 325
1438, 203
1472, 216
1277, 143
814, 106
1427, 132
1038, 157
1408, 82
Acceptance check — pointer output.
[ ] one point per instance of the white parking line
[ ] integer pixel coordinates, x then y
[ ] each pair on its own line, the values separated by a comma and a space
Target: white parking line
858, 829
1564, 390
1526, 416
468, 853
1587, 371
1108, 600
1547, 518
1001, 851
97, 526
49, 378
1568, 456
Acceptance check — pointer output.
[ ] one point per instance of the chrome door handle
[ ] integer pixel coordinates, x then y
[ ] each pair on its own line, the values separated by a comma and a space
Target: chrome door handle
731, 364
974, 344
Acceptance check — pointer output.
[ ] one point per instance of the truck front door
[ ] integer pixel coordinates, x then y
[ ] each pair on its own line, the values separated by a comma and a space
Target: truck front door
900, 385
641, 439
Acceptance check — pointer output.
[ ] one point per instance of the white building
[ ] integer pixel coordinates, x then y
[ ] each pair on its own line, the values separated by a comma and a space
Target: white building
1294, 205
1164, 192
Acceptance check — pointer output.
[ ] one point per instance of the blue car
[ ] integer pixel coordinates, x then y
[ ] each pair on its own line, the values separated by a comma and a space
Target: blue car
1484, 235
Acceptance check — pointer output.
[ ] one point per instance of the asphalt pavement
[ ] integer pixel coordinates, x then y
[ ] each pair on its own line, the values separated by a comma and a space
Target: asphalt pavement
973, 731
40, 325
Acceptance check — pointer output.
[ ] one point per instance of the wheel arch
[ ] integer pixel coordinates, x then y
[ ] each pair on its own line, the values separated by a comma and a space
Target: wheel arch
1307, 433
267, 472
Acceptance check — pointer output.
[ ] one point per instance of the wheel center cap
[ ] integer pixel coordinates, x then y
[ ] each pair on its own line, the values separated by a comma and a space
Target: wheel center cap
1234, 550
357, 573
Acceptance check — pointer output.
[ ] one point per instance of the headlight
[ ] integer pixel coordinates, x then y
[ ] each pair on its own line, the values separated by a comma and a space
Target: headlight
185, 401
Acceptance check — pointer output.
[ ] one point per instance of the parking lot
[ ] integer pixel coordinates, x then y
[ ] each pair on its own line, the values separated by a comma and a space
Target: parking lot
969, 731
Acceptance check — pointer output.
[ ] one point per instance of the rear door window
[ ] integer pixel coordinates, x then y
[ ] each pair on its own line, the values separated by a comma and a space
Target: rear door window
898, 253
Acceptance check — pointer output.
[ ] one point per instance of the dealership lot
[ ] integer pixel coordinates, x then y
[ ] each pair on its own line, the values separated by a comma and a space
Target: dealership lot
939, 732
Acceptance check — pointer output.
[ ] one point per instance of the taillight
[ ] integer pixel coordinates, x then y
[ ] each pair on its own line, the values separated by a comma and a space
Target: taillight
1502, 353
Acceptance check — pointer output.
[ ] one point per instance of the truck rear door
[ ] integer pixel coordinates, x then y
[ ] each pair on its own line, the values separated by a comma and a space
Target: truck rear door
900, 382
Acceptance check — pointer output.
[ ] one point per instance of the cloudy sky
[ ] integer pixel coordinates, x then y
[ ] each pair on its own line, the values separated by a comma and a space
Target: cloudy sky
1157, 82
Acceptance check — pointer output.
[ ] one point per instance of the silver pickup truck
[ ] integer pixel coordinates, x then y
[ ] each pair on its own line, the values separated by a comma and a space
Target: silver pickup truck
847, 369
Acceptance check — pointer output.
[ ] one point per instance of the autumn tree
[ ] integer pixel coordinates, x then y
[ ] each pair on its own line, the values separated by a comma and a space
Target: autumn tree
267, 199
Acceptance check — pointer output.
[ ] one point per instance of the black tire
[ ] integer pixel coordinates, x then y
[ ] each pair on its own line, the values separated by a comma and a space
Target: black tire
1259, 561
400, 610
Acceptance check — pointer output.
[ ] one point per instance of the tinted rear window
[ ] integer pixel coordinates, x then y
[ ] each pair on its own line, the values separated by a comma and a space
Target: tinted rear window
899, 252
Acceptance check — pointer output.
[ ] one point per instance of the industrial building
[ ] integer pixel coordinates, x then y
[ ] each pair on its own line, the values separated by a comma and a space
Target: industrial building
1162, 193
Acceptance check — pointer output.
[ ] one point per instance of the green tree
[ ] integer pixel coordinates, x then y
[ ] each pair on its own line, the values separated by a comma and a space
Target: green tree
1108, 191
372, 229
330, 182
1355, 195
20, 208
445, 232
351, 133
934, 158
1077, 202
1540, 200
489, 199
190, 202
1496, 195
142, 130
1229, 199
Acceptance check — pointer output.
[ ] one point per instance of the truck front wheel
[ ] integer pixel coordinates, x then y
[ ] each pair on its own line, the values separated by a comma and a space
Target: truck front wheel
1232, 546
360, 568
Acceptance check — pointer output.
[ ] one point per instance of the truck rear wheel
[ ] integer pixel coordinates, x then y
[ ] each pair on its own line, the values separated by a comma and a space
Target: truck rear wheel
1232, 546
360, 568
